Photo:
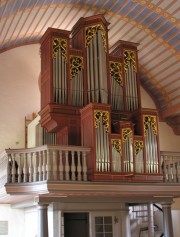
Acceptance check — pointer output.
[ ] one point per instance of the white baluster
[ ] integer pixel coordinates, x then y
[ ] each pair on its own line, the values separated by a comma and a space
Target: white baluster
20, 169
48, 166
40, 166
13, 169
73, 168
44, 165
61, 170
30, 168
25, 169
9, 169
66, 166
54, 165
79, 169
35, 161
178, 172
84, 166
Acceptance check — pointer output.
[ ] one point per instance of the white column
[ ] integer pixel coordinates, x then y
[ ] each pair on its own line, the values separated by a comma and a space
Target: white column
126, 229
150, 220
42, 220
167, 220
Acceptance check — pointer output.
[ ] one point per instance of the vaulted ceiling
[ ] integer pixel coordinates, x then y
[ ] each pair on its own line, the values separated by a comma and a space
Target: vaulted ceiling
152, 23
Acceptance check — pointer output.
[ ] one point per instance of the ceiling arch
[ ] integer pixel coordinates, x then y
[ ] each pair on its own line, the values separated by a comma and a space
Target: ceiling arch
154, 24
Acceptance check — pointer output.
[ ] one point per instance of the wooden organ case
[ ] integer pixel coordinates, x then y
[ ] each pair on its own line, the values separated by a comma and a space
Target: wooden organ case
90, 96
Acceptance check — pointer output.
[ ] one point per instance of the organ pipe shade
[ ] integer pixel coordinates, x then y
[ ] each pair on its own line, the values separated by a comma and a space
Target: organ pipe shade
130, 68
101, 120
59, 53
76, 73
96, 64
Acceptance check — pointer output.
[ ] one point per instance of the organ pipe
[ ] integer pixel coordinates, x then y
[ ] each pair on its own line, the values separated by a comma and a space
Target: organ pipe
76, 73
139, 161
128, 149
116, 155
150, 134
101, 119
116, 86
130, 80
96, 50
59, 71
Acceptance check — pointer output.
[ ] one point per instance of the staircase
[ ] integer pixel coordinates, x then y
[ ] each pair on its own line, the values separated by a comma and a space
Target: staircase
139, 220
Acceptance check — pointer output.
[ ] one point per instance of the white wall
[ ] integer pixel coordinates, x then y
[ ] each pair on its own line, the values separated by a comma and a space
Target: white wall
15, 218
19, 93
30, 222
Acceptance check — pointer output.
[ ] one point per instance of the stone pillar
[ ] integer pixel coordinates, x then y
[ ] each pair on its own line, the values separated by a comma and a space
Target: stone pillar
167, 220
150, 220
126, 229
42, 220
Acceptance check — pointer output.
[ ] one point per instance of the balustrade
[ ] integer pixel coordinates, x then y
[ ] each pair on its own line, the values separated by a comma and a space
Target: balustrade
64, 163
171, 166
43, 163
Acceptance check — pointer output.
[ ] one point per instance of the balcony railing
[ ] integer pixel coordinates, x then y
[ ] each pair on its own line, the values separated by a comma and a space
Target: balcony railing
55, 163
63, 163
171, 166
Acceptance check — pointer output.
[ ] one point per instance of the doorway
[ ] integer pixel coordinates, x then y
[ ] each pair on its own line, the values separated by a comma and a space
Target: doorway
76, 224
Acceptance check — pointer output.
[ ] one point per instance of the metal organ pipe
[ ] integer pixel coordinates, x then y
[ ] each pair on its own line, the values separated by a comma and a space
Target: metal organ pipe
130, 81
96, 66
151, 144
102, 144
59, 71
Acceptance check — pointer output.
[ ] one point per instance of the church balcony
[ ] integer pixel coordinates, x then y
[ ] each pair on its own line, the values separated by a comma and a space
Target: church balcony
54, 171
70, 163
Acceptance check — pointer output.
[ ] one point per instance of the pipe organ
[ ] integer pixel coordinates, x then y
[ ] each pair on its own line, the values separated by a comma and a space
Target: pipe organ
90, 96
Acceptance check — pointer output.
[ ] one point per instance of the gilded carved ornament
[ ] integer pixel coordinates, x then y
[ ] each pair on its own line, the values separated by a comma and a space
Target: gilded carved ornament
116, 72
116, 144
130, 57
150, 120
91, 31
138, 146
105, 119
126, 132
62, 44
76, 65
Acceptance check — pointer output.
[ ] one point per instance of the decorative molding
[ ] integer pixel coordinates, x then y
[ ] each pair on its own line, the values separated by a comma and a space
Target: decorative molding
91, 31
76, 65
130, 56
105, 119
59, 43
116, 72
150, 120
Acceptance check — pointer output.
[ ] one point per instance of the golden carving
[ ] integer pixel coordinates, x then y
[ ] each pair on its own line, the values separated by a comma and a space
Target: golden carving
59, 43
76, 65
150, 120
126, 132
92, 30
138, 145
130, 56
116, 144
105, 119
116, 72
